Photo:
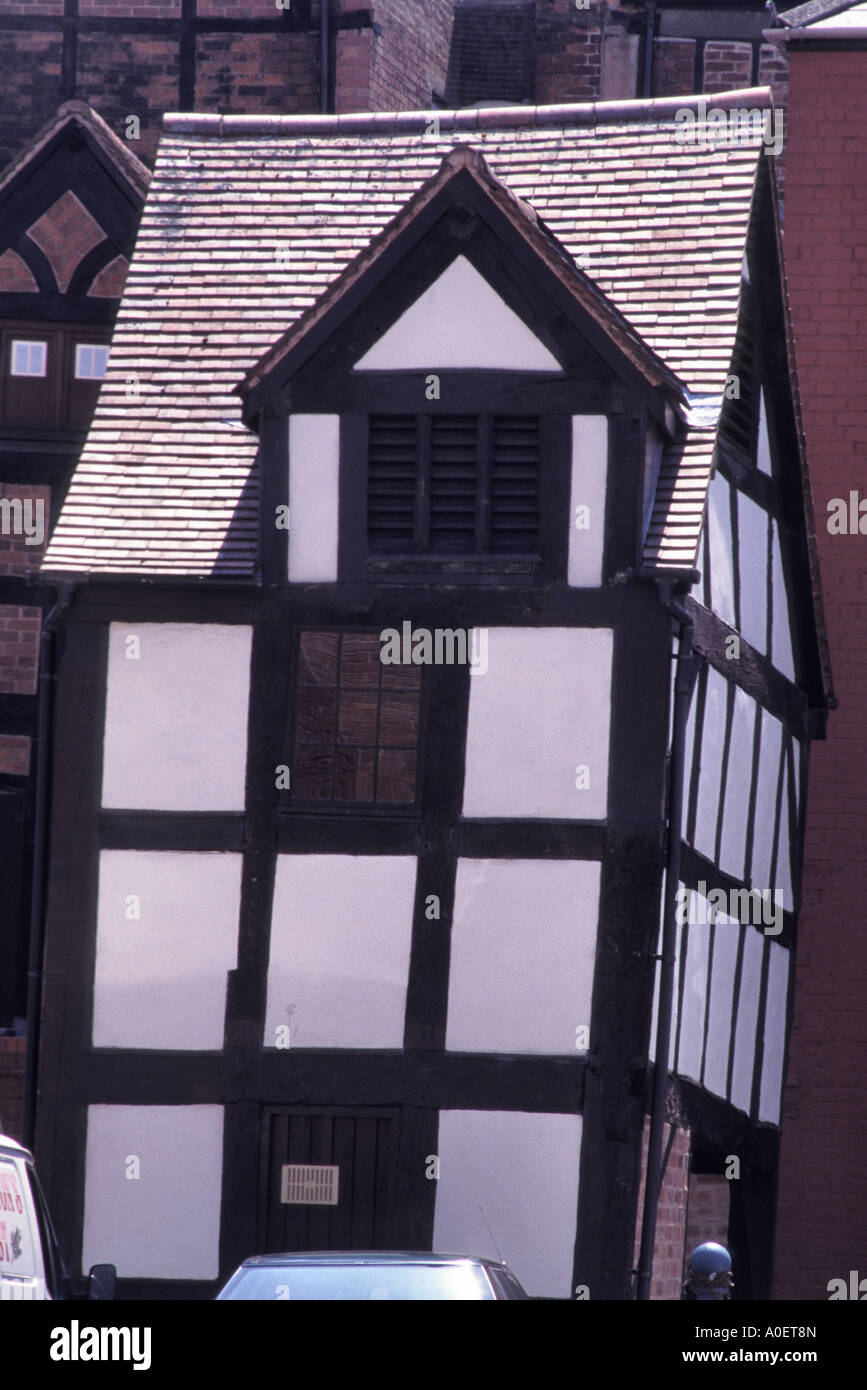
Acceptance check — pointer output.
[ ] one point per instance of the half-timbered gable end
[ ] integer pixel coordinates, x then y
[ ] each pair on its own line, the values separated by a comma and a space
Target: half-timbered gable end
361, 867
69, 206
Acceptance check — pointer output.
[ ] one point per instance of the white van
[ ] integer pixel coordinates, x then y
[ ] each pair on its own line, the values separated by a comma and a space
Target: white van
30, 1263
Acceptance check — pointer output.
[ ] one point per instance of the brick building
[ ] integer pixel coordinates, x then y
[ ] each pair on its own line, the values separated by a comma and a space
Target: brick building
822, 1219
139, 58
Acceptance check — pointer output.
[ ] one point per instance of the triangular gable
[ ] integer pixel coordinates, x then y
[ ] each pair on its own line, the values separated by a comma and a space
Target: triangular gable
463, 172
459, 321
71, 201
111, 151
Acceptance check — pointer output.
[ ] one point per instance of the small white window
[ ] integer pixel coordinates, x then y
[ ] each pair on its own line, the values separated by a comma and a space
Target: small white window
28, 359
90, 361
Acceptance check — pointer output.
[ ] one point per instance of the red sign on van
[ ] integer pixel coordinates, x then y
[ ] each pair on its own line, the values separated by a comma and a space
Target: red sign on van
16, 1246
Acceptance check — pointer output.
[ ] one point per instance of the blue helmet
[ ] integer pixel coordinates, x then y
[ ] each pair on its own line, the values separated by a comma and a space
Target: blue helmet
710, 1272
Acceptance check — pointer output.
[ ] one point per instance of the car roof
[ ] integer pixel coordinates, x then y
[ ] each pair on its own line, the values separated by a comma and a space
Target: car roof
343, 1257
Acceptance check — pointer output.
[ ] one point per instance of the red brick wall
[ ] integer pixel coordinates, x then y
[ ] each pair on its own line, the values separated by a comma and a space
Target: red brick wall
568, 51
533, 50
137, 74
410, 59
14, 748
493, 55
30, 64
669, 1244
19, 626
17, 556
673, 67
708, 1211
19, 650
12, 1056
277, 74
822, 1204
727, 66
133, 75
774, 72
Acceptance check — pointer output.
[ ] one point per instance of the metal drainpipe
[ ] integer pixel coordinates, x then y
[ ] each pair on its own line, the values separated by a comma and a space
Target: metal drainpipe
655, 1164
40, 841
324, 75
647, 63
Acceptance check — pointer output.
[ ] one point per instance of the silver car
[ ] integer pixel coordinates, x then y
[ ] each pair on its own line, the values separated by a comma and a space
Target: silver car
339, 1275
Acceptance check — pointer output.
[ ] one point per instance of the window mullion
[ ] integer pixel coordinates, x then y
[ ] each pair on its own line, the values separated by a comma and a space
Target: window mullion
423, 483
484, 446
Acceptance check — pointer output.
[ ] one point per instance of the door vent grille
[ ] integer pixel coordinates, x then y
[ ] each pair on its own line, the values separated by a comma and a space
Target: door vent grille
309, 1184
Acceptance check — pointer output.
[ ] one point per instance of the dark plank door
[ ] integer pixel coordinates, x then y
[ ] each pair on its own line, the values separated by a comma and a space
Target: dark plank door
362, 1145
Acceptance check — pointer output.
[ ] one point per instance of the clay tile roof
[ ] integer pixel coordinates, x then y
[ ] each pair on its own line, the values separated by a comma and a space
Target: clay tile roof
539, 241
249, 220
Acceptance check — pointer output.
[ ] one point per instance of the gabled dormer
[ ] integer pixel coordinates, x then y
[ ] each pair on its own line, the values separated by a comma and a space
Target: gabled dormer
70, 205
463, 405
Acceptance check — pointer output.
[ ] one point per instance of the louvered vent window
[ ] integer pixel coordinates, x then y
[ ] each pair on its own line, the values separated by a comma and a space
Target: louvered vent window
453, 484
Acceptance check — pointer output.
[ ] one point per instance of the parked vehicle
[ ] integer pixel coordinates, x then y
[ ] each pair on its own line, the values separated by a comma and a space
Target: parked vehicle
371, 1275
31, 1266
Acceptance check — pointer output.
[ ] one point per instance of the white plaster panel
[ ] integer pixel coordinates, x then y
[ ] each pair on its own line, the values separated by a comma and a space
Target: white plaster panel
176, 717
721, 550
710, 774
781, 636
766, 801
165, 1223
523, 948
745, 1028
340, 941
589, 480
160, 978
691, 1030
459, 321
763, 455
733, 843
753, 541
774, 1034
314, 493
522, 1170
539, 712
719, 1022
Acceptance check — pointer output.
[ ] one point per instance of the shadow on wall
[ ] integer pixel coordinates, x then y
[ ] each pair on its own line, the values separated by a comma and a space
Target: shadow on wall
493, 52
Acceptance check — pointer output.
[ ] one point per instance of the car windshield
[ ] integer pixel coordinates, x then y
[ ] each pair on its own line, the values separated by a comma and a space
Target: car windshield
351, 1281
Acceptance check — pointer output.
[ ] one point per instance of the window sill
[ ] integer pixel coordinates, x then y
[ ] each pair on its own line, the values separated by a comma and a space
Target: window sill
447, 567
